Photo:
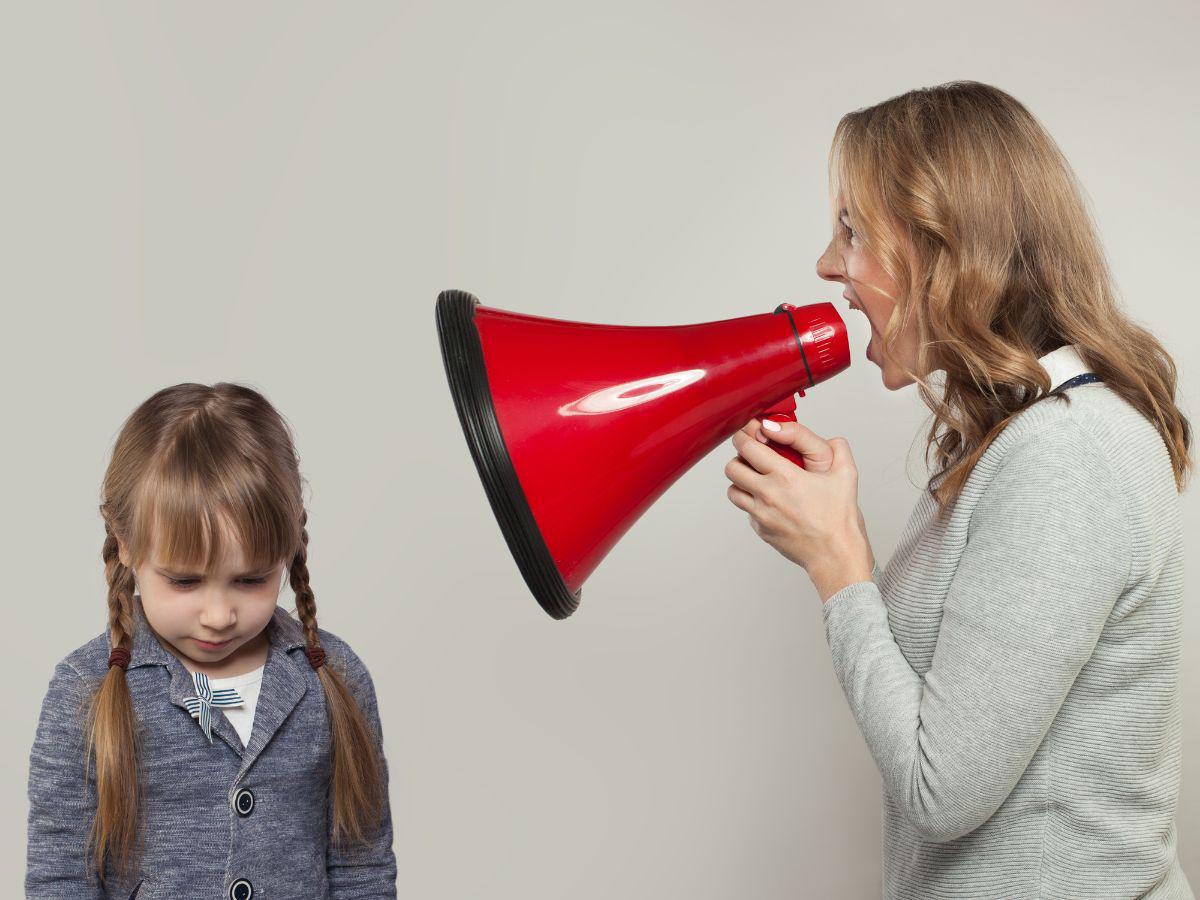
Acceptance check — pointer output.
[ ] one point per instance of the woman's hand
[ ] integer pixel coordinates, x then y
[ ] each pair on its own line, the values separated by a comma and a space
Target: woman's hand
809, 514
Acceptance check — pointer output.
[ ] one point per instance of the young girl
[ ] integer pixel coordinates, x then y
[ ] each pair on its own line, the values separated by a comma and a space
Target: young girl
208, 744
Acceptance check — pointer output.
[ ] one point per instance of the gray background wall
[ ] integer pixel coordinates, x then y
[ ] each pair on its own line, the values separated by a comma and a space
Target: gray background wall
275, 194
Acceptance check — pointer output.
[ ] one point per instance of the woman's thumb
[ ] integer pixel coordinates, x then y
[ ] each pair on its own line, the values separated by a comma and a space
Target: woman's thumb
818, 455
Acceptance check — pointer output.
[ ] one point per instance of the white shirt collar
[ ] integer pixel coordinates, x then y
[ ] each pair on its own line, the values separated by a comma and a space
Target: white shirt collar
1063, 364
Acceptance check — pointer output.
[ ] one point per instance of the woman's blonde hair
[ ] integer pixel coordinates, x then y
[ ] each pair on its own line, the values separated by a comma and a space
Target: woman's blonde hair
190, 463
972, 209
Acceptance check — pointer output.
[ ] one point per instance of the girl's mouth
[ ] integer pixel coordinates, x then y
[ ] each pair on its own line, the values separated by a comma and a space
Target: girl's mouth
208, 645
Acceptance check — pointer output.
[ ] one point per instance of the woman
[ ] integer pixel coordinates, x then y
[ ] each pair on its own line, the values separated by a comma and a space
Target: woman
1014, 668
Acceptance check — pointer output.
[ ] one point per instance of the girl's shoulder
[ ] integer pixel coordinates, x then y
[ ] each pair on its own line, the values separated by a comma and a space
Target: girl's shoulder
75, 678
343, 657
288, 634
89, 661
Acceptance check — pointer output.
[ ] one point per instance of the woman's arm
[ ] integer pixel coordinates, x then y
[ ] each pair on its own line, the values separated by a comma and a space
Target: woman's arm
1048, 555
853, 561
62, 805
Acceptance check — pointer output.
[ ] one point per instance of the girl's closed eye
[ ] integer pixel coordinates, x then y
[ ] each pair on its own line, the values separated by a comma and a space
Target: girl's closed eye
188, 582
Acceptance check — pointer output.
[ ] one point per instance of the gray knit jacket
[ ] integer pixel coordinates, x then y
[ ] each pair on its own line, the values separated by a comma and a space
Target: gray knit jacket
221, 820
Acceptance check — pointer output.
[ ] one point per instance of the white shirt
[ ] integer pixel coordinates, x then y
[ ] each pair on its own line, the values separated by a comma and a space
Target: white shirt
1063, 364
247, 684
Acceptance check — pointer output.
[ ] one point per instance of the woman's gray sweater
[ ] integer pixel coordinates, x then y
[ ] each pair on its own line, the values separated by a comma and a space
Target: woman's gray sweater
1014, 669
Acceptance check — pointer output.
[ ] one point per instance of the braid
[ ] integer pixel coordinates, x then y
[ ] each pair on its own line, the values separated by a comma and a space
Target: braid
120, 593
111, 732
356, 779
306, 603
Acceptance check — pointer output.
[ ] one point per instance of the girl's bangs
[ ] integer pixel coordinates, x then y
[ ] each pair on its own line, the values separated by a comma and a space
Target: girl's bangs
185, 519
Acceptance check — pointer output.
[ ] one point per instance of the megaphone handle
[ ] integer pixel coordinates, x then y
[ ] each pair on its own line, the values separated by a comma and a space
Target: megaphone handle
787, 452
784, 411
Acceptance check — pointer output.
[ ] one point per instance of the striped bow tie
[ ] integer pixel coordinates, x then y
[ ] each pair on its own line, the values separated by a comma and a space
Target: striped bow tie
206, 698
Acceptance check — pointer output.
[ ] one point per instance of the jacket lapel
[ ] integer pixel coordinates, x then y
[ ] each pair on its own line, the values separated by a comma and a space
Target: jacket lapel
182, 687
284, 683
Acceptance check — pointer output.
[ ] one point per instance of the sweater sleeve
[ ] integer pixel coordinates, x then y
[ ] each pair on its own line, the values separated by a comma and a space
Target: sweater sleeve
62, 804
1047, 556
356, 872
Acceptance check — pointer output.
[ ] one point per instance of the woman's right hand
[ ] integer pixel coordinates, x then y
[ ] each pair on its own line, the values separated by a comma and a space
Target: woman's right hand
818, 463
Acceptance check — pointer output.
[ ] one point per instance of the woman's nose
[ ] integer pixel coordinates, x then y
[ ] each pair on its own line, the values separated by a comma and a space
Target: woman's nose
827, 266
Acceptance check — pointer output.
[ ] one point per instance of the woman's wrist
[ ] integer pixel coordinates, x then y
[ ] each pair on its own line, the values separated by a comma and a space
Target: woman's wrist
847, 563
862, 527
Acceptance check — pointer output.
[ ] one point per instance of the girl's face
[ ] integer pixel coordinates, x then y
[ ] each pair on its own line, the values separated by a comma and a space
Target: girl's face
846, 260
231, 607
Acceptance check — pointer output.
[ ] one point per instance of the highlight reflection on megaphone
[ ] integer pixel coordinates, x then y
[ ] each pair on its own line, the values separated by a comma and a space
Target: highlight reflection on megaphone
577, 428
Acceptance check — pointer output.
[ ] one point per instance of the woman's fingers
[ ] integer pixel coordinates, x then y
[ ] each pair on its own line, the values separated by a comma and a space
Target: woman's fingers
818, 455
754, 430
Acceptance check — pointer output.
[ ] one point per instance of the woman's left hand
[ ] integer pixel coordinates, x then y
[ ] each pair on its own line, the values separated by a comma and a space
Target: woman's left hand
810, 514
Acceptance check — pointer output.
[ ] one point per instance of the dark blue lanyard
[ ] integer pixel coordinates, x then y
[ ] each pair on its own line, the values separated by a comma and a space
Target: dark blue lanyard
1085, 378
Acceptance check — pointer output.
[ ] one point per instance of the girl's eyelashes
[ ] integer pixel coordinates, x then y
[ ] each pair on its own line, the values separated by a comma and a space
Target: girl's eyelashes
188, 582
846, 225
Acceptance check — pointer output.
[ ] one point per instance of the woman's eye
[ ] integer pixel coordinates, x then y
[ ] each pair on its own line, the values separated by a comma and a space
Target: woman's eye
853, 234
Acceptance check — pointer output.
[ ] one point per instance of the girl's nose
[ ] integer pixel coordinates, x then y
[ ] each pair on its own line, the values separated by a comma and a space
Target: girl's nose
218, 615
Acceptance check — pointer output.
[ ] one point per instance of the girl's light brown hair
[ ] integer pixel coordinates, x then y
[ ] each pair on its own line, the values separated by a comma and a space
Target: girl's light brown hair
971, 208
193, 466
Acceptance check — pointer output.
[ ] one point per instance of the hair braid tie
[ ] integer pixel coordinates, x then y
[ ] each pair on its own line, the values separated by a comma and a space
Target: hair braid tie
118, 657
316, 656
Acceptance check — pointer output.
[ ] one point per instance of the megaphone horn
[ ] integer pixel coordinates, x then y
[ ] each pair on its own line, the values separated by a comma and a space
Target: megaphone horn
577, 428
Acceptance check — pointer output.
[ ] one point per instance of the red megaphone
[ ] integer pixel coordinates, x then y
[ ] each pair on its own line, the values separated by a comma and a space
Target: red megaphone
577, 428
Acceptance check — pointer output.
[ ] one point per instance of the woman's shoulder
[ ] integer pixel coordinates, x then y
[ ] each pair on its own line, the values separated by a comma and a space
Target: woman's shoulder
1095, 426
1098, 445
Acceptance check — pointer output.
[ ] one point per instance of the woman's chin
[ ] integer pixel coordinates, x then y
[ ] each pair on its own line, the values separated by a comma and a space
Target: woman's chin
895, 382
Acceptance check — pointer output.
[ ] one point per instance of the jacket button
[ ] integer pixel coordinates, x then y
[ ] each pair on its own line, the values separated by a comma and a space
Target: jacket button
243, 802
241, 890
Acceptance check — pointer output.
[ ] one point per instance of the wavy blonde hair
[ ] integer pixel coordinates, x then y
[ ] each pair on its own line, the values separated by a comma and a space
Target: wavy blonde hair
972, 209
189, 462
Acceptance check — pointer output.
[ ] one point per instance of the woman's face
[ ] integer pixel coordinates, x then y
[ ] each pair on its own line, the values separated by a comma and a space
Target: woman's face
233, 605
848, 261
